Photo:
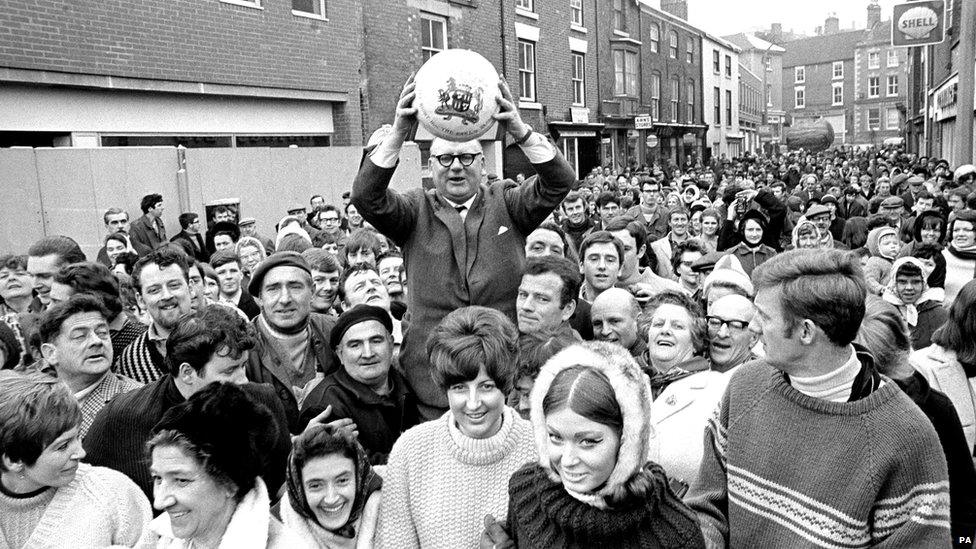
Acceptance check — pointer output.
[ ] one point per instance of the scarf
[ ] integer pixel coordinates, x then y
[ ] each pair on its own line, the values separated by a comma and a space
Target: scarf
367, 482
967, 254
908, 310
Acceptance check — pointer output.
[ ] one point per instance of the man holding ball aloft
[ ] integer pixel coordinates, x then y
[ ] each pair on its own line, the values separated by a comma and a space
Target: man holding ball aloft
463, 241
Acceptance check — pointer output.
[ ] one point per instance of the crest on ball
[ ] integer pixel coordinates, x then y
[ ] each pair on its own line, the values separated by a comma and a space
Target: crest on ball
456, 101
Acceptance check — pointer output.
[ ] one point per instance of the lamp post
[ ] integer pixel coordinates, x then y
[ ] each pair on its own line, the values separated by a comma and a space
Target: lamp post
767, 95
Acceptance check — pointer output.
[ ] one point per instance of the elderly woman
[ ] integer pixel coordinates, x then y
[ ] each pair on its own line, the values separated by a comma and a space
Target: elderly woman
884, 333
675, 338
949, 364
445, 475
48, 498
592, 484
205, 464
251, 252
333, 496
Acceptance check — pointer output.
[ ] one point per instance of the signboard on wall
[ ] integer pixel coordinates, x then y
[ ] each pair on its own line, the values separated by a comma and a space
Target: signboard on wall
643, 122
918, 23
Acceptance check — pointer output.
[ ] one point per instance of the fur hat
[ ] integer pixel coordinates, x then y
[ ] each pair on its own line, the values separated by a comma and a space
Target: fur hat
632, 390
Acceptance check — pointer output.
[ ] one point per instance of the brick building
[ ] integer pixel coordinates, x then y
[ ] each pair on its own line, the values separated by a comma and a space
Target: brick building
201, 73
818, 79
651, 88
880, 84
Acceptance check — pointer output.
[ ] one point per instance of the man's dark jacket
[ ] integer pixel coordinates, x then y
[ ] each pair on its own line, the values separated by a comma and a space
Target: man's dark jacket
379, 419
475, 261
192, 243
118, 434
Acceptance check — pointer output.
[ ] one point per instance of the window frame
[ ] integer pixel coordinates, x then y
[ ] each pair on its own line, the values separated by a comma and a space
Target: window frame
717, 108
874, 60
877, 126
619, 8
716, 62
728, 66
673, 44
892, 55
426, 21
655, 96
800, 97
527, 5
579, 63
531, 73
800, 74
837, 65
876, 80
654, 35
833, 93
690, 50
626, 77
728, 108
690, 101
576, 12
323, 5
888, 112
675, 88
891, 79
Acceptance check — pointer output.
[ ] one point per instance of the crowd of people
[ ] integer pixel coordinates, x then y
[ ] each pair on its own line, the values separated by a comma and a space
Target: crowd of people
766, 351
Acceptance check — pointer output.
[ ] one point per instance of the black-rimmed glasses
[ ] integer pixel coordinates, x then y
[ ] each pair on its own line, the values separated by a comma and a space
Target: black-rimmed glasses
447, 160
715, 324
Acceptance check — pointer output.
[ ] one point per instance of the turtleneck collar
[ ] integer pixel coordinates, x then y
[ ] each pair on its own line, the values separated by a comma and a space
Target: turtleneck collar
834, 386
483, 451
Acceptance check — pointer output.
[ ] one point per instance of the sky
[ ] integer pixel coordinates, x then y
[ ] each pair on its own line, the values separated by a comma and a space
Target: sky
724, 17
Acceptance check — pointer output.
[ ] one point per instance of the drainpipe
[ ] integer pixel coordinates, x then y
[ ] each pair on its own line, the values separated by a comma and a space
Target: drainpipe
504, 37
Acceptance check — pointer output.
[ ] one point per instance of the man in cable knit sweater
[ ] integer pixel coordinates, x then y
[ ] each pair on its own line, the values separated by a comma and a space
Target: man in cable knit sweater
811, 447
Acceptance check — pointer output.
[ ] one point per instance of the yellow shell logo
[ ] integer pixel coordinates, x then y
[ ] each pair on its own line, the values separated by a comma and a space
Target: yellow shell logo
918, 22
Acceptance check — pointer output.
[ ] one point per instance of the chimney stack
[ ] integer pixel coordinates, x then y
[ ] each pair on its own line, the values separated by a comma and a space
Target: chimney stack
874, 14
831, 25
677, 8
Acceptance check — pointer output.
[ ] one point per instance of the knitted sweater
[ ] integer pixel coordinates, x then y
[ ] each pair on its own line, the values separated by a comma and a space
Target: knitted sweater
542, 514
783, 469
99, 508
440, 484
141, 361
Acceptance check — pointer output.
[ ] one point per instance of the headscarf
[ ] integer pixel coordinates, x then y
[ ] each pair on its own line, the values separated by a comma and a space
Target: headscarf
799, 226
367, 482
290, 225
908, 310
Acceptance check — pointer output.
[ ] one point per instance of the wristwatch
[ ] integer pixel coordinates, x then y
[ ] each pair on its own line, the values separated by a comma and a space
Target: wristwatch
524, 138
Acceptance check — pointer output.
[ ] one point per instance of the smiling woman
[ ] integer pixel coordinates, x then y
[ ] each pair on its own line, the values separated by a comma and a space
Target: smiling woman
592, 484
205, 462
48, 498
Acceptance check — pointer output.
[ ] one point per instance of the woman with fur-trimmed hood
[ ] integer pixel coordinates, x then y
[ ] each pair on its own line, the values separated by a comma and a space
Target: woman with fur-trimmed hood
593, 484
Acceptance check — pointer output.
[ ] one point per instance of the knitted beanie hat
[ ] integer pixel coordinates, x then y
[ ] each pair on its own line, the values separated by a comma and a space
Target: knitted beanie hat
632, 391
729, 271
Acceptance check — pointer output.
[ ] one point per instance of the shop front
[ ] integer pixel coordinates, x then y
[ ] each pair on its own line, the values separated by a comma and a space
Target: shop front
652, 143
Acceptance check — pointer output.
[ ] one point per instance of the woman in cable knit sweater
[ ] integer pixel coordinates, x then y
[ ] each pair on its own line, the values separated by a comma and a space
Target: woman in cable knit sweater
444, 476
592, 485
47, 497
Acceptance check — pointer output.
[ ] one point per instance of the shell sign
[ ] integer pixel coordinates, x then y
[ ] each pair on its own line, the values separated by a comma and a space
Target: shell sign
918, 23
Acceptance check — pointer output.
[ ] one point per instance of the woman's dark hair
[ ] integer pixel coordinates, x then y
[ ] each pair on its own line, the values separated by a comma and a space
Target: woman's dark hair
35, 409
225, 430
118, 237
586, 392
959, 331
469, 339
934, 252
321, 442
855, 234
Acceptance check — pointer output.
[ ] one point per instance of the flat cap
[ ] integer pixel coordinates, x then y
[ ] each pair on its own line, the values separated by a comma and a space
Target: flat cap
893, 202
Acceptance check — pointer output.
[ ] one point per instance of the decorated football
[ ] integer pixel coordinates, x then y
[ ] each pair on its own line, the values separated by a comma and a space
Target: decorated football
456, 91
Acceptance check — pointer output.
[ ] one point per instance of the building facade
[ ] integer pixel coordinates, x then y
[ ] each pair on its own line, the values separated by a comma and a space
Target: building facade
764, 59
818, 79
751, 106
217, 73
720, 91
650, 90
880, 87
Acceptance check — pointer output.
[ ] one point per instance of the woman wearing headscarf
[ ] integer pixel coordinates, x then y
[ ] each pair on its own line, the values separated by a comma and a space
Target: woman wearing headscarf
751, 251
205, 463
48, 497
806, 236
918, 305
592, 484
333, 495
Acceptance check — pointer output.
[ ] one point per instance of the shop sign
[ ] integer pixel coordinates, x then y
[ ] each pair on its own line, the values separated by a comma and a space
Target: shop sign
643, 122
944, 99
652, 141
918, 23
580, 115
